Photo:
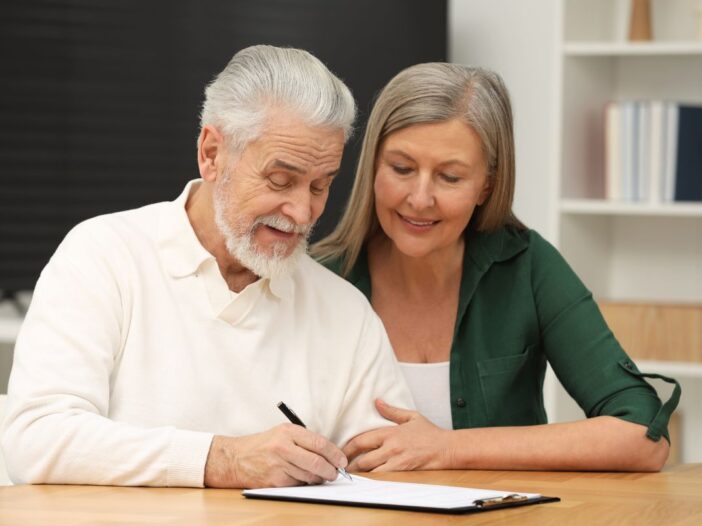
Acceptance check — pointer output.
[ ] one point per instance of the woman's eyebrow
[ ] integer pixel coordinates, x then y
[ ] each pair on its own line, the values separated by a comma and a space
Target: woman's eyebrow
443, 163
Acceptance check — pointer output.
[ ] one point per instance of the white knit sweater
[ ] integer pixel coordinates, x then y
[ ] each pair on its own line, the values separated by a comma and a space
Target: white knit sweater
134, 352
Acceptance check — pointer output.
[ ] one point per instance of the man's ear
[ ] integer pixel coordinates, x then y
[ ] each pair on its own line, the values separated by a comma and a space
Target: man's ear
485, 192
211, 151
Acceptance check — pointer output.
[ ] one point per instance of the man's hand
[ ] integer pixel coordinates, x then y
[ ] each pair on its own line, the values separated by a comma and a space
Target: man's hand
287, 455
415, 443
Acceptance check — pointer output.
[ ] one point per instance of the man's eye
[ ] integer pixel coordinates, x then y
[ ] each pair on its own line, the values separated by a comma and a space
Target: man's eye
279, 182
320, 188
402, 170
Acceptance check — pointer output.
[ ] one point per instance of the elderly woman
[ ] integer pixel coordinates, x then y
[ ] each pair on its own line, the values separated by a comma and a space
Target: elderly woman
474, 302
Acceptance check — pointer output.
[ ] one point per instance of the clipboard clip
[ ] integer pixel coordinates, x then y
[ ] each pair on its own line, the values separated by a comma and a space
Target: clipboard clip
507, 499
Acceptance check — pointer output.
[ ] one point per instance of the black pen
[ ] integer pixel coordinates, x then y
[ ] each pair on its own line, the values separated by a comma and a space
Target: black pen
290, 414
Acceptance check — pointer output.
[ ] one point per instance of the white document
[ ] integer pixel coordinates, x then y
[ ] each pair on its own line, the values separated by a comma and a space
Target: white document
377, 492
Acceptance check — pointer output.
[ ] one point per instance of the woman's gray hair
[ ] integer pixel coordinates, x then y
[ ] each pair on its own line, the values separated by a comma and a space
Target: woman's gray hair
429, 93
259, 78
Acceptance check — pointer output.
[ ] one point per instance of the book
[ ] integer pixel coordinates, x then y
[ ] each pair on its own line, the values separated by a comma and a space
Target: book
670, 153
643, 147
656, 150
628, 149
612, 151
688, 169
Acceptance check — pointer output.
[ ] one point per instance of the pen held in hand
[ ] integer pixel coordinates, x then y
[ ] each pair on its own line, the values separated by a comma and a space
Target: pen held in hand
290, 415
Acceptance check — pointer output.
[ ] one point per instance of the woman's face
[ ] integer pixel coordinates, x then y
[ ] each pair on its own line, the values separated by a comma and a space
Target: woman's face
429, 179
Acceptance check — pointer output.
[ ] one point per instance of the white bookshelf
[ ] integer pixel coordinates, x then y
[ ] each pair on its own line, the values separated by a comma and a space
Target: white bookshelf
610, 208
9, 328
562, 60
630, 252
11, 318
623, 49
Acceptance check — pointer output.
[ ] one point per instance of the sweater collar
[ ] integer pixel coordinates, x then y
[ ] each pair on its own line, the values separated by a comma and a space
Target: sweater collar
181, 251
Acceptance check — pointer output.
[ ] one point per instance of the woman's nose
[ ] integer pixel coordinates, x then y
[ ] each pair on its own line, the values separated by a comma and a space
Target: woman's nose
422, 195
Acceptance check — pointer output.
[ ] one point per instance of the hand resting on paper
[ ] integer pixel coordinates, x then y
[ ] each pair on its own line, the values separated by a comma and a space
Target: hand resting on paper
415, 443
286, 455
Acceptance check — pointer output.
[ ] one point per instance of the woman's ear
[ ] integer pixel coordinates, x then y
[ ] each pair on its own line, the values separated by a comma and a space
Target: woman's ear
211, 148
485, 192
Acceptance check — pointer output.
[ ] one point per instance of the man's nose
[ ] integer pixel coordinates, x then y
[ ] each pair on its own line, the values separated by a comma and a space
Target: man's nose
299, 208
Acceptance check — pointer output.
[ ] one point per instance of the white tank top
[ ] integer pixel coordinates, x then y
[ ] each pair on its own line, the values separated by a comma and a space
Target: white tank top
431, 390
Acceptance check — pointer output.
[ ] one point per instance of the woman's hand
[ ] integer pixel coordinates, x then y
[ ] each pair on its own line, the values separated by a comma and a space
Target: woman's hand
415, 443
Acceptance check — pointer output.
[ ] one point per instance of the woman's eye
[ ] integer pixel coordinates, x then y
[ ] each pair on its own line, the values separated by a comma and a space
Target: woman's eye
452, 179
402, 170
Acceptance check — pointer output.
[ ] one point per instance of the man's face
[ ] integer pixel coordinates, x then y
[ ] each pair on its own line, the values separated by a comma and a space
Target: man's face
268, 197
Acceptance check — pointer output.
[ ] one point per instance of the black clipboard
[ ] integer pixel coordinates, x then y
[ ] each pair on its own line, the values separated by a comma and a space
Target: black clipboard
480, 505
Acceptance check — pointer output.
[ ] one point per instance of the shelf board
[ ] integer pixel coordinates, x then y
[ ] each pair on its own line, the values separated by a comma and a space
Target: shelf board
604, 207
625, 49
675, 369
9, 329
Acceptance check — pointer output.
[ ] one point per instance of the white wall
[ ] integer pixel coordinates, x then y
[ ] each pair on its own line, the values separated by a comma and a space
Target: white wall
517, 38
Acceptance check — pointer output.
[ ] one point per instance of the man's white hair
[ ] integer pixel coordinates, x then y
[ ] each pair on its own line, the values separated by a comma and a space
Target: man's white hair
259, 78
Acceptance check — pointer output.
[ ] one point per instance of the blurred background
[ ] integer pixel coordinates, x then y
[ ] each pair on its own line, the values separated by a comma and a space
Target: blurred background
100, 101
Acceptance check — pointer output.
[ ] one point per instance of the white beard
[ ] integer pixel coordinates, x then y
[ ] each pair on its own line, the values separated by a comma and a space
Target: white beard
242, 247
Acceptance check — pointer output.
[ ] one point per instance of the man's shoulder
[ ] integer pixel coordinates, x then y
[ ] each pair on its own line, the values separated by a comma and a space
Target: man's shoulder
328, 287
107, 235
142, 220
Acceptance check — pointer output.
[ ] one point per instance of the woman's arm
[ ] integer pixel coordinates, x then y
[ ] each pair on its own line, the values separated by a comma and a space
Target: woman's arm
597, 444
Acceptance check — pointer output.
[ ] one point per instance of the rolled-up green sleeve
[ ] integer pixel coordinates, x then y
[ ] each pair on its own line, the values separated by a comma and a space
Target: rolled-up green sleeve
584, 353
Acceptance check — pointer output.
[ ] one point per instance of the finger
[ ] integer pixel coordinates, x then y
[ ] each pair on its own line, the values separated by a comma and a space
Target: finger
365, 442
370, 460
394, 414
317, 444
312, 463
302, 476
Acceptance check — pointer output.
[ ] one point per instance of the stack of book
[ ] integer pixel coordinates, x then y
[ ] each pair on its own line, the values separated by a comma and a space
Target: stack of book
653, 151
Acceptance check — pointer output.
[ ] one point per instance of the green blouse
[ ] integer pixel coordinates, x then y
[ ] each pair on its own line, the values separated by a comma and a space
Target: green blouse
520, 304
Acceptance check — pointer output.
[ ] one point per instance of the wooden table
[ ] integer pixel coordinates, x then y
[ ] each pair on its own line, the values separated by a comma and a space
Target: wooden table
673, 497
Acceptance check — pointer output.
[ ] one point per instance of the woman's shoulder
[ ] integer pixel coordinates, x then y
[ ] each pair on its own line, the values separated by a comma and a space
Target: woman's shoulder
332, 263
531, 241
518, 248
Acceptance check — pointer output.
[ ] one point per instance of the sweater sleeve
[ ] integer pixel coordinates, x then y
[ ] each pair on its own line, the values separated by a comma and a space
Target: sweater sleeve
375, 374
584, 353
57, 427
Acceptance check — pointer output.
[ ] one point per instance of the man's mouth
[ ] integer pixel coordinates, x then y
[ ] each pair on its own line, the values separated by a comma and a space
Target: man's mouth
282, 233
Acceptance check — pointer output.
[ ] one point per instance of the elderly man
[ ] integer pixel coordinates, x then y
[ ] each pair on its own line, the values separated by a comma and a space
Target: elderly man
160, 340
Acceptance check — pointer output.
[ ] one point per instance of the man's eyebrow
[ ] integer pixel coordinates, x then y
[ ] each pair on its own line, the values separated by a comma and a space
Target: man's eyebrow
278, 163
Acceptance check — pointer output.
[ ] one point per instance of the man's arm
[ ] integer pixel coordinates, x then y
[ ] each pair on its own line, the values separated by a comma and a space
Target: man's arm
375, 375
56, 428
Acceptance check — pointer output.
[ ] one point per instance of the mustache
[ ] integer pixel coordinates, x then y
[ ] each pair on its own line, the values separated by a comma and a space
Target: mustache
283, 224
